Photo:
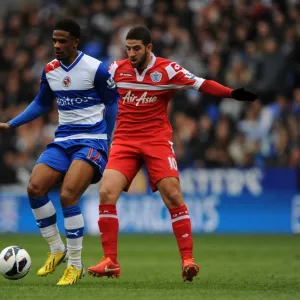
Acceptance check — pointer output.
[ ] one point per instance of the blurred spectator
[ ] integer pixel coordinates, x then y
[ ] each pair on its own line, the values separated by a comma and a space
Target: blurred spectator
238, 43
217, 154
272, 71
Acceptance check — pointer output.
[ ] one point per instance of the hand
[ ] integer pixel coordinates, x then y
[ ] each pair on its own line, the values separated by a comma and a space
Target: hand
4, 126
241, 94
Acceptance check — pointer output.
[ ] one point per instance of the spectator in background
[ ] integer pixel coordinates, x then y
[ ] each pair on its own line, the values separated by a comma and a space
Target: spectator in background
272, 71
202, 139
254, 43
217, 154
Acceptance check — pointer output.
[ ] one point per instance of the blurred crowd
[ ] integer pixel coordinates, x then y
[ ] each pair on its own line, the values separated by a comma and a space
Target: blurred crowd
253, 44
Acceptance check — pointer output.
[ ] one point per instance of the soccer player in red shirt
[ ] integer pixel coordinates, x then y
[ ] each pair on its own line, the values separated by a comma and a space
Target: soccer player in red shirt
143, 136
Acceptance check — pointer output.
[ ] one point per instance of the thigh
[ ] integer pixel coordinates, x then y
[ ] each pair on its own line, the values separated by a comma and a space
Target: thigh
77, 180
126, 159
94, 157
42, 179
160, 161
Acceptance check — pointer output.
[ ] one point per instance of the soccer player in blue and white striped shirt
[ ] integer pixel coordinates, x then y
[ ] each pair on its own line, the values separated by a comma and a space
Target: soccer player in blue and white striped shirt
87, 106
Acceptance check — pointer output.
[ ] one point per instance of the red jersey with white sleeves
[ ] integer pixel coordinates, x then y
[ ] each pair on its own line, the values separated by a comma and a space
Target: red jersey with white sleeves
144, 97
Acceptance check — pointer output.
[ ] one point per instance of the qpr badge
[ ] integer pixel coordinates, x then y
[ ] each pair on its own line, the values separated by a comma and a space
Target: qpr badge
66, 81
156, 76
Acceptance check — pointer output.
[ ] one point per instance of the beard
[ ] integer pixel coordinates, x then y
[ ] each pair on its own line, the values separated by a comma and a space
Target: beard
141, 63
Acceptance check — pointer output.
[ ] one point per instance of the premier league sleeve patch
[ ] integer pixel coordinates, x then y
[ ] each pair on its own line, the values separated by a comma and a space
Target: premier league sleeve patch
110, 83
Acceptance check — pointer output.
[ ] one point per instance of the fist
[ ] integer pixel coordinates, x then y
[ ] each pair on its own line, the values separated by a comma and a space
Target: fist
241, 94
4, 126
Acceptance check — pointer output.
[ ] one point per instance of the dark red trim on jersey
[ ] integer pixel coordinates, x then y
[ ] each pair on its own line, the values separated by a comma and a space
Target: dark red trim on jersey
213, 88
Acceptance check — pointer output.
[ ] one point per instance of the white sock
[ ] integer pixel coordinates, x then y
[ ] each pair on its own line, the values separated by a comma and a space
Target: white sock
45, 216
74, 258
52, 236
74, 225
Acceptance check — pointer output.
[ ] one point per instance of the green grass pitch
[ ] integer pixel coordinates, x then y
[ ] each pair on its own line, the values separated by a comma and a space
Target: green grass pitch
231, 267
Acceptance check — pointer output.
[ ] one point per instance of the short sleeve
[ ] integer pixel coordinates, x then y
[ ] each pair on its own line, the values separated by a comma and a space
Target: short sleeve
181, 78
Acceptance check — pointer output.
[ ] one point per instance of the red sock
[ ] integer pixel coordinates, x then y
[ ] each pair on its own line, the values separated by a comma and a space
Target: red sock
108, 224
182, 229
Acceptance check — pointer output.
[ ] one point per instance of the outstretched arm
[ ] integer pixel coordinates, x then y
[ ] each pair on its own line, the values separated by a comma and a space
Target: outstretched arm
32, 111
213, 88
181, 77
37, 107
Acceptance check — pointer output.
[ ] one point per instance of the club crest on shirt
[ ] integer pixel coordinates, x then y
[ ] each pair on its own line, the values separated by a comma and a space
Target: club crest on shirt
66, 81
156, 76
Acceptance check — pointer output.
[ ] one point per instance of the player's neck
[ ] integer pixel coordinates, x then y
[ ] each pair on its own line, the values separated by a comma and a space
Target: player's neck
70, 59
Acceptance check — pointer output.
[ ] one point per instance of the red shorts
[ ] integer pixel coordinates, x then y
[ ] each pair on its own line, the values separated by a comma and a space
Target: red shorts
129, 157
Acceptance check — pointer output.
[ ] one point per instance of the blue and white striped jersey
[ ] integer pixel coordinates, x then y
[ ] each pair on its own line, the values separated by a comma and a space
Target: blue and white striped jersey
82, 90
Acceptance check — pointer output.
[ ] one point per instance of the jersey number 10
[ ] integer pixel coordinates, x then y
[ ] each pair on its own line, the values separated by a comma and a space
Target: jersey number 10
173, 163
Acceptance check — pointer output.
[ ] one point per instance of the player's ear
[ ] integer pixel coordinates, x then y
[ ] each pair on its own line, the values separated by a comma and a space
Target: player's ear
76, 43
149, 47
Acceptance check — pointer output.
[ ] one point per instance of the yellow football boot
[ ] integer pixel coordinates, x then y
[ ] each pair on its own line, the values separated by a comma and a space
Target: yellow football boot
52, 261
71, 276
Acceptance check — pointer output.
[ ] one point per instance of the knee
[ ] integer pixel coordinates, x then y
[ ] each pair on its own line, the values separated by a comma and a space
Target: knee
107, 196
173, 197
35, 190
67, 198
